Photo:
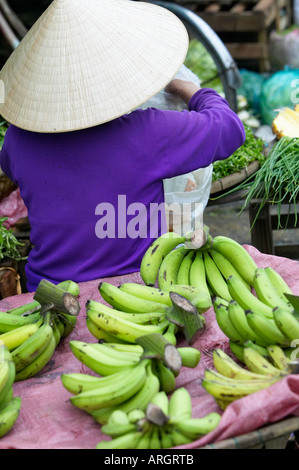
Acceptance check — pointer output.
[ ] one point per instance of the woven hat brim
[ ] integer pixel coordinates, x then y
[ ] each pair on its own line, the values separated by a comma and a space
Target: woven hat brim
87, 63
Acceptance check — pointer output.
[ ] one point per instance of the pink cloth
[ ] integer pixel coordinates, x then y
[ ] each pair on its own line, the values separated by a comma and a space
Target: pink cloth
47, 419
13, 207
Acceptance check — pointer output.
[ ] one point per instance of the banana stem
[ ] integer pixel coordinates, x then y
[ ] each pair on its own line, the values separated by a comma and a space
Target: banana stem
155, 415
48, 293
157, 347
183, 312
197, 238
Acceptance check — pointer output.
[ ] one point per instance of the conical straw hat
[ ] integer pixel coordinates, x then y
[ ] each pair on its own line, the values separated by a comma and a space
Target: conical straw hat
86, 62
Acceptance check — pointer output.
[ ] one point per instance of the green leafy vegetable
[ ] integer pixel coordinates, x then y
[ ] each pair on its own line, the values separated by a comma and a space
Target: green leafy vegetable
276, 182
200, 62
251, 150
8, 243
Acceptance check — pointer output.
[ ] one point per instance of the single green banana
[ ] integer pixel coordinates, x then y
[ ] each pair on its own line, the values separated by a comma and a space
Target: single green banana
161, 400
184, 269
279, 283
200, 299
125, 348
9, 396
115, 430
4, 372
287, 323
178, 438
6, 386
229, 368
23, 309
56, 330
246, 299
139, 401
237, 255
260, 349
215, 279
118, 417
197, 427
71, 287
101, 334
14, 338
111, 395
127, 441
99, 361
225, 267
151, 294
123, 329
240, 322
166, 377
165, 438
167, 275
197, 276
237, 350
125, 302
77, 383
155, 254
10, 321
37, 364
278, 357
266, 292
144, 441
180, 406
126, 356
190, 356
170, 333
155, 442
225, 324
31, 349
69, 322
9, 414
266, 329
135, 415
259, 365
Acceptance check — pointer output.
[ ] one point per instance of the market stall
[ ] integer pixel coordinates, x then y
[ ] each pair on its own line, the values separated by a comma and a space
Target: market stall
198, 348
48, 419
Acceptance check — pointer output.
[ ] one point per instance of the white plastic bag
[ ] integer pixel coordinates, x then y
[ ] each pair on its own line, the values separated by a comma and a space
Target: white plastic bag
186, 196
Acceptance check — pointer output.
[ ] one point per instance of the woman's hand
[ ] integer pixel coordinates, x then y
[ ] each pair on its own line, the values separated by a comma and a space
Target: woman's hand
182, 88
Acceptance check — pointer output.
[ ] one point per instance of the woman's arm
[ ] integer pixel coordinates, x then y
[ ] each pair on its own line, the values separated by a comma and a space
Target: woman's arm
182, 88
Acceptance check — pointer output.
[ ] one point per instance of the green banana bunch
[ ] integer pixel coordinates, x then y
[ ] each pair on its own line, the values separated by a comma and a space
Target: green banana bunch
123, 325
9, 405
155, 254
166, 423
229, 381
198, 297
115, 393
126, 302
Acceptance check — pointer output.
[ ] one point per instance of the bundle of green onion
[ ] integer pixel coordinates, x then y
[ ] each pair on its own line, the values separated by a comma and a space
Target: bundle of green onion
277, 181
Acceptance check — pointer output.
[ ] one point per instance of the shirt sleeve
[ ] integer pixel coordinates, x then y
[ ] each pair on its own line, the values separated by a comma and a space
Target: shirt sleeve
5, 162
209, 131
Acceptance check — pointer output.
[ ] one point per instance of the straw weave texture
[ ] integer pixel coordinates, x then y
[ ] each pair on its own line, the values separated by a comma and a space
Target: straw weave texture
86, 62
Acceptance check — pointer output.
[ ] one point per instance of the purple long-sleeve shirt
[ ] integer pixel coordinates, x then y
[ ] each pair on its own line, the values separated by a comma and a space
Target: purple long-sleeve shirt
82, 186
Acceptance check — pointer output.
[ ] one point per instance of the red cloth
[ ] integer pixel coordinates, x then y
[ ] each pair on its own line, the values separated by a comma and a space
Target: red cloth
47, 419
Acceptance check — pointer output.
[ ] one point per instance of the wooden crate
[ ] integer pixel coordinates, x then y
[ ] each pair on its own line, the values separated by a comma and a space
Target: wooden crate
248, 21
